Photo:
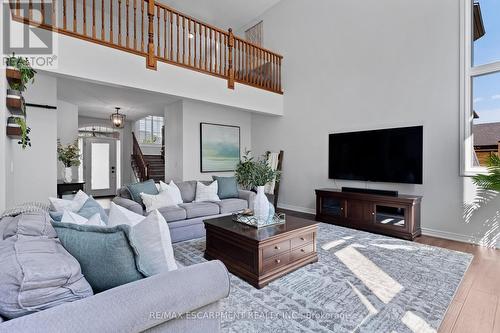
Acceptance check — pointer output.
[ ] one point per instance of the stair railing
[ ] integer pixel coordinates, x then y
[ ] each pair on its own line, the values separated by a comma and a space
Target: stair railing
158, 33
139, 160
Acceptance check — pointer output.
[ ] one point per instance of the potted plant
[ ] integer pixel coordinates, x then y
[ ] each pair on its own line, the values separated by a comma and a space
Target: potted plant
25, 130
255, 174
24, 67
69, 155
12, 122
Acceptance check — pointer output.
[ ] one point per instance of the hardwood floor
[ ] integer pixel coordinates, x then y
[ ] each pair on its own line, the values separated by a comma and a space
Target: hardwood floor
476, 306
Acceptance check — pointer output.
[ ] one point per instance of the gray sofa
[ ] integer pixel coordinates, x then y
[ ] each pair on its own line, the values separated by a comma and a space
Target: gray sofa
186, 220
184, 300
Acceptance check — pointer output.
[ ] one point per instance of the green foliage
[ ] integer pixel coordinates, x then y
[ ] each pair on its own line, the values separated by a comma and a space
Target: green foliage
25, 130
491, 180
251, 173
27, 73
69, 155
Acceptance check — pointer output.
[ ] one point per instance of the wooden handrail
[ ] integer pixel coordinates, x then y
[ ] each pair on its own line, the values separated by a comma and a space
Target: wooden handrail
139, 160
160, 33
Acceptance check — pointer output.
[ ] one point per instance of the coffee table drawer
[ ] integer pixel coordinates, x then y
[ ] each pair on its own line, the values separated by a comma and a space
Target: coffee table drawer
276, 262
302, 239
302, 252
272, 250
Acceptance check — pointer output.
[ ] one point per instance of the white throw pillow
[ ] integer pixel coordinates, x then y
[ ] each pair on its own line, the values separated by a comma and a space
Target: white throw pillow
157, 201
70, 217
173, 190
151, 237
206, 192
73, 205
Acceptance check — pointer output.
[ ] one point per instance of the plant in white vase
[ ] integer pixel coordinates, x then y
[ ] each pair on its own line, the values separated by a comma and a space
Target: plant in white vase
69, 155
257, 174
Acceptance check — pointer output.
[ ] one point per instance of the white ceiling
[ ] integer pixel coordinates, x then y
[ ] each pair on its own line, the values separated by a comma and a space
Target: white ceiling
99, 101
223, 14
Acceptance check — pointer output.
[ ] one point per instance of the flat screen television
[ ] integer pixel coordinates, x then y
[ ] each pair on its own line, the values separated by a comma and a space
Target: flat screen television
387, 155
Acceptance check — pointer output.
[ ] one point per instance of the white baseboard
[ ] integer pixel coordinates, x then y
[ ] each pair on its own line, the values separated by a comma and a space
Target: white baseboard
456, 237
297, 208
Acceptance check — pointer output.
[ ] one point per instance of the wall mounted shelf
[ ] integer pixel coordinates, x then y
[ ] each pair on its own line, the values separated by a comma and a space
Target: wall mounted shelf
13, 75
13, 132
15, 106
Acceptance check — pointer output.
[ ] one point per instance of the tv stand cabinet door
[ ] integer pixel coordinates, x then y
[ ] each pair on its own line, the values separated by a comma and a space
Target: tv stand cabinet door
360, 212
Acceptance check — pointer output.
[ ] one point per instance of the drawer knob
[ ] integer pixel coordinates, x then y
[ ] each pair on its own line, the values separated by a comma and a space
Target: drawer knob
277, 247
278, 261
302, 250
302, 239
373, 213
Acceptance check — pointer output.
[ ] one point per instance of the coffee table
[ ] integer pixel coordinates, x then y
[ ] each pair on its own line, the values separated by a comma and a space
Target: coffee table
260, 256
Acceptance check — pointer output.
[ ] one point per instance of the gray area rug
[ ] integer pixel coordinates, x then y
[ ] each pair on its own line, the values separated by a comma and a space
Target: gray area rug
362, 283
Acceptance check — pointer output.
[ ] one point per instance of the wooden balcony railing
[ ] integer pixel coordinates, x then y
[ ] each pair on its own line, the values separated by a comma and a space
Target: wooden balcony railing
158, 33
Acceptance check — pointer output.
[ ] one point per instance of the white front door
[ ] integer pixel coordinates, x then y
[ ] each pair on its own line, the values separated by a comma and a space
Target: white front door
99, 166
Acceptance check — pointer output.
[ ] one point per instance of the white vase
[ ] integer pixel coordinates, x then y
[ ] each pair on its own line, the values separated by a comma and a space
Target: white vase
261, 206
68, 175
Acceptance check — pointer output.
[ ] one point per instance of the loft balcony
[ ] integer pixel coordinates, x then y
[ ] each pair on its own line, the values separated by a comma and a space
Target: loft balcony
158, 33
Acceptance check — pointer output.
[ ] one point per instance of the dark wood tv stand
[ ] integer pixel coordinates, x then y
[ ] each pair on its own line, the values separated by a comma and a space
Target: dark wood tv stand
397, 216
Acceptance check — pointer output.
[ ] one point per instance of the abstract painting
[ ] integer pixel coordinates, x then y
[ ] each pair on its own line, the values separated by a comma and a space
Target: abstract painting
219, 147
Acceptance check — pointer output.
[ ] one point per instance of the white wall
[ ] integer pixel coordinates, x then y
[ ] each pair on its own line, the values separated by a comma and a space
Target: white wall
365, 65
126, 144
3, 138
187, 115
67, 129
34, 170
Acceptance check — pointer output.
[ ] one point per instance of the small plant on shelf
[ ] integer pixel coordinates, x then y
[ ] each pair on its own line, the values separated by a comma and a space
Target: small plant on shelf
24, 67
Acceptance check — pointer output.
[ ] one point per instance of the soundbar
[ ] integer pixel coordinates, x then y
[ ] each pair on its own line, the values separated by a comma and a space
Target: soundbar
370, 191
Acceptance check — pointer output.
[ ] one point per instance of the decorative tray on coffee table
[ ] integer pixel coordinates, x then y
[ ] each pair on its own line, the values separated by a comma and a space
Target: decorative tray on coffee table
252, 221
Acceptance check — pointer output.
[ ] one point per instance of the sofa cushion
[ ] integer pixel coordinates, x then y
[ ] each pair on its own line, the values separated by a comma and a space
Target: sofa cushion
136, 189
227, 187
105, 254
123, 192
188, 190
232, 205
173, 213
37, 272
92, 207
197, 209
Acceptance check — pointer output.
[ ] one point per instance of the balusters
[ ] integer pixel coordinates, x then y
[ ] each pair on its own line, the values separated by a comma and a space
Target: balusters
151, 59
165, 41
93, 19
64, 15
84, 18
171, 37
225, 57
205, 53
158, 30
74, 15
183, 40
189, 41
120, 22
215, 51
220, 52
111, 37
195, 34
127, 5
42, 9
210, 48
177, 24
142, 25
53, 17
230, 76
103, 35
135, 24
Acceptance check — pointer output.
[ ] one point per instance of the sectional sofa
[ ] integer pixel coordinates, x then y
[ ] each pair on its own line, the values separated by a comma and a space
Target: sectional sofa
186, 220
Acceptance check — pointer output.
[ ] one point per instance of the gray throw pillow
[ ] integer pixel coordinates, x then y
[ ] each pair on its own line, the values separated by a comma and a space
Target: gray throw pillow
36, 272
136, 189
106, 255
92, 207
227, 187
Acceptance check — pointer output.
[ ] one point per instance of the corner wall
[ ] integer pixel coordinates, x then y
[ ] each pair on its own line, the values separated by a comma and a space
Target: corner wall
182, 121
372, 65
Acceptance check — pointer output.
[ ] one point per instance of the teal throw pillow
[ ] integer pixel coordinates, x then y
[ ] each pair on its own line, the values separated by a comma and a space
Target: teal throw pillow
90, 208
227, 187
136, 189
106, 255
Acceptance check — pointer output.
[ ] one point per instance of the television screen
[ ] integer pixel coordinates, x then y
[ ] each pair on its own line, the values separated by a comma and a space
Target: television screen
387, 155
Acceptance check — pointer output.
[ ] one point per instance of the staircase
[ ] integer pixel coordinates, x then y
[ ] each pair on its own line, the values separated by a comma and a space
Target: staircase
156, 168
146, 166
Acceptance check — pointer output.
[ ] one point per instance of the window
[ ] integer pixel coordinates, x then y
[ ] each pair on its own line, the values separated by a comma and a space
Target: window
480, 85
150, 130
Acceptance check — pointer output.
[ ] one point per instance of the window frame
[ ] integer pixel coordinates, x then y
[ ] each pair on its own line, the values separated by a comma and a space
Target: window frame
467, 73
151, 121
